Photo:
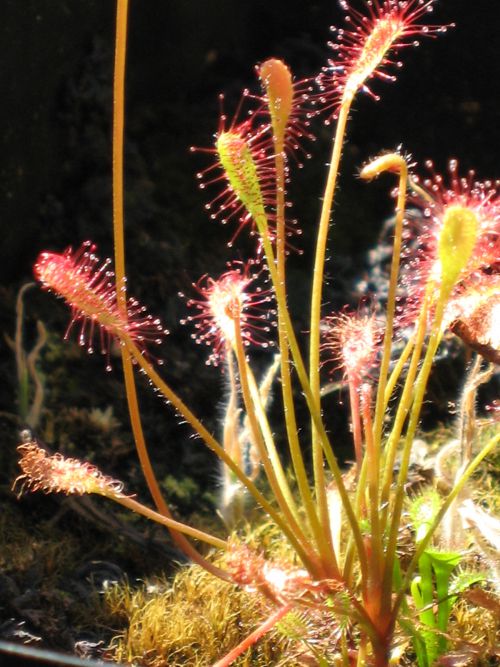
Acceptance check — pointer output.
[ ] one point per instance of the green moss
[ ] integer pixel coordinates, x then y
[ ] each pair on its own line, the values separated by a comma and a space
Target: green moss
190, 622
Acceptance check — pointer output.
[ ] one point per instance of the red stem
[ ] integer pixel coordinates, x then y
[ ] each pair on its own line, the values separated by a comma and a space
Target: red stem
254, 637
356, 421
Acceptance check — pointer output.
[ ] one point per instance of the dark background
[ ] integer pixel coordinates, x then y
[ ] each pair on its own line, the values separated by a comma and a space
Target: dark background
55, 171
55, 112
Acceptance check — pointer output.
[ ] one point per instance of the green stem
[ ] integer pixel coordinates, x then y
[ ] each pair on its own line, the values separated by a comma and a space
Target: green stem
322, 539
391, 309
317, 291
286, 381
328, 451
359, 505
361, 659
231, 431
372, 464
419, 391
171, 524
270, 459
212, 444
402, 412
269, 440
420, 191
397, 370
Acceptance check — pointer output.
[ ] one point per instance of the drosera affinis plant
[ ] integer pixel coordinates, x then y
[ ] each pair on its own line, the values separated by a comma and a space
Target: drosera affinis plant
346, 562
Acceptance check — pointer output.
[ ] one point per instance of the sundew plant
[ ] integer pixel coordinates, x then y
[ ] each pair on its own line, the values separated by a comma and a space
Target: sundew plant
346, 562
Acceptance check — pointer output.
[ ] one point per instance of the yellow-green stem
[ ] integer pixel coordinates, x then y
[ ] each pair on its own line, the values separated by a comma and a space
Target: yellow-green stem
373, 464
296, 454
317, 291
171, 524
359, 506
397, 370
270, 459
325, 443
420, 191
378, 421
279, 162
402, 412
212, 444
344, 649
231, 431
269, 442
323, 541
286, 381
361, 659
419, 392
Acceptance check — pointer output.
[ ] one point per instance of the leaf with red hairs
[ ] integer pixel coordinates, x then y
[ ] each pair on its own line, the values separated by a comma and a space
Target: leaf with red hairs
87, 285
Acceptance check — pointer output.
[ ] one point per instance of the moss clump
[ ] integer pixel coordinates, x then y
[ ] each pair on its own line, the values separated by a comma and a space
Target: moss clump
190, 622
474, 629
